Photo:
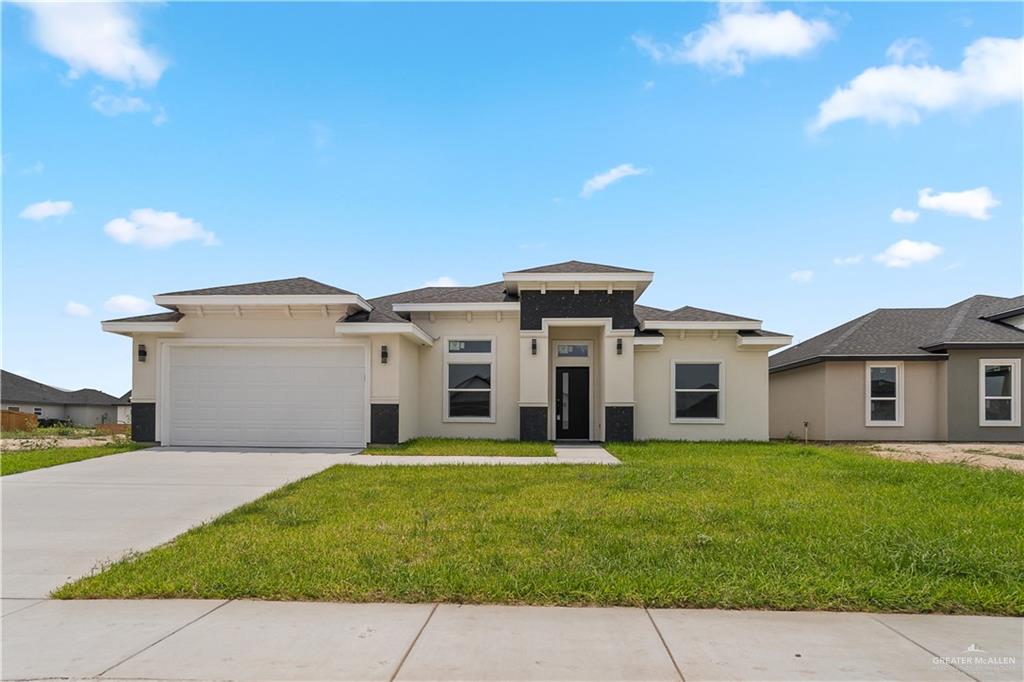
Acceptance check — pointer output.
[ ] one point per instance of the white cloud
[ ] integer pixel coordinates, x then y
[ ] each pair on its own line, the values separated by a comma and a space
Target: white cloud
609, 177
848, 260
115, 105
903, 215
36, 168
46, 209
442, 281
742, 33
971, 203
98, 37
126, 303
989, 74
77, 309
802, 276
905, 253
908, 50
150, 228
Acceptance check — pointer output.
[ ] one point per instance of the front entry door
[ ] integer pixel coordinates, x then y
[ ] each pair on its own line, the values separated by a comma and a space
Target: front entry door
572, 402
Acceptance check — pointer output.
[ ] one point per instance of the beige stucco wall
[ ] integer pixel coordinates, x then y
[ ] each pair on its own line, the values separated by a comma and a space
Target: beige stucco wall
745, 382
92, 415
794, 397
505, 377
385, 380
846, 384
408, 378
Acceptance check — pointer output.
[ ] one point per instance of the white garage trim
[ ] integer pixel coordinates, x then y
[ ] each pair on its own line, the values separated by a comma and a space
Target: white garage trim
164, 366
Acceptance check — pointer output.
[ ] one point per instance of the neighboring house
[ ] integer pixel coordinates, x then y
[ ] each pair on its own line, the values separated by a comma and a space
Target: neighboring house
907, 374
84, 407
555, 352
124, 408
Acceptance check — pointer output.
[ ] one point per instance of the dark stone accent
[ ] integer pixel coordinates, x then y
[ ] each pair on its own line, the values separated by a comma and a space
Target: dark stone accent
533, 423
144, 422
535, 306
384, 423
618, 423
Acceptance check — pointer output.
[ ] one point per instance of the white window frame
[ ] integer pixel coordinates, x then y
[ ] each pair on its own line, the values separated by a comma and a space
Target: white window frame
37, 411
868, 366
673, 419
1015, 384
469, 359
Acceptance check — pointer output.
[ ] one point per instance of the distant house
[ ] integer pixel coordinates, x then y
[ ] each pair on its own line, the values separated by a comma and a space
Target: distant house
84, 407
124, 409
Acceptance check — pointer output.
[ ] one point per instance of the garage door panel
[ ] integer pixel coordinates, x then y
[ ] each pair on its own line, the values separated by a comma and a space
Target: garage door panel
267, 396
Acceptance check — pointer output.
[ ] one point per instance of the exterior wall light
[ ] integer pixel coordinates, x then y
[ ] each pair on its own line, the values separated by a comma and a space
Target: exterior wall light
618, 346
142, 352
383, 355
533, 346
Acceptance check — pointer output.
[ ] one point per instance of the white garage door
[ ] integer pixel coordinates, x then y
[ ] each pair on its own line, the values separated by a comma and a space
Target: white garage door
261, 396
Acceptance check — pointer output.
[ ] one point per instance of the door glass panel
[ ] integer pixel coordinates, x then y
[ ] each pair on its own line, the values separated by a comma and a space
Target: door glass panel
565, 400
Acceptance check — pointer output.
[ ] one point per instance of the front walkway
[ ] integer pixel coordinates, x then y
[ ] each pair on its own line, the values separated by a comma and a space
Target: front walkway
583, 453
251, 640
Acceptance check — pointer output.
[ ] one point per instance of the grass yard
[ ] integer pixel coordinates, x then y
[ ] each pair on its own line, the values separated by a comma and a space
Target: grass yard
740, 525
17, 461
464, 446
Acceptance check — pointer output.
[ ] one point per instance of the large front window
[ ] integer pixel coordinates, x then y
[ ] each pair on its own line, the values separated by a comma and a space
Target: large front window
884, 394
469, 380
697, 392
999, 391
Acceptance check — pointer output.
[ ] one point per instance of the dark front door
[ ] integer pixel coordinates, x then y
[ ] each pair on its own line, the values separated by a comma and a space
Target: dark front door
572, 402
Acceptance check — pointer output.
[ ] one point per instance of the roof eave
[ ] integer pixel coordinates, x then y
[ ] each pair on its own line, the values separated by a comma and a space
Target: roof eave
129, 328
856, 357
262, 300
694, 325
407, 329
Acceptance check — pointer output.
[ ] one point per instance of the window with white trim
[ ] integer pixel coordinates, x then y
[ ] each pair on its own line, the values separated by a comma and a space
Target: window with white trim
884, 394
696, 392
999, 392
37, 411
469, 379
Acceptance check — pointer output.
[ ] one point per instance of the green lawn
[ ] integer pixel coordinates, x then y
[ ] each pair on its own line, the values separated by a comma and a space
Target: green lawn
781, 526
464, 446
17, 461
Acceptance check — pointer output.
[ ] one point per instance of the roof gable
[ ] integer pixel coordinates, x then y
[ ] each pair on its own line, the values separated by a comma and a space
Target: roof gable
576, 266
294, 286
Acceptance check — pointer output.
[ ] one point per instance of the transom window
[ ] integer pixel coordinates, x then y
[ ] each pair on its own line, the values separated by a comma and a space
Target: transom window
697, 392
999, 392
572, 350
884, 394
469, 380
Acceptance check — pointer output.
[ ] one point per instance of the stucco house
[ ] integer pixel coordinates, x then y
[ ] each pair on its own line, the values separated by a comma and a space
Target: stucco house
561, 351
84, 407
929, 374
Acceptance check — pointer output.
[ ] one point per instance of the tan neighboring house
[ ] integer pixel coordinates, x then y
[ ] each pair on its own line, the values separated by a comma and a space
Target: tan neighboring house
556, 352
84, 407
928, 374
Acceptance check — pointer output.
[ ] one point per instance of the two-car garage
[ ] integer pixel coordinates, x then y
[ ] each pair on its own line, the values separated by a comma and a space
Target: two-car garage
264, 395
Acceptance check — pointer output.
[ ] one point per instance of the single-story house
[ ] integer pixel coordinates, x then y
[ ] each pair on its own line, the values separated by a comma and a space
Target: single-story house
124, 408
84, 407
561, 351
928, 374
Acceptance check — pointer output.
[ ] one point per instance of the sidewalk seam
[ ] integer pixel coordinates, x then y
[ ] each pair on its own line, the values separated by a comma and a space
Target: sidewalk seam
671, 656
37, 602
922, 646
413, 644
169, 634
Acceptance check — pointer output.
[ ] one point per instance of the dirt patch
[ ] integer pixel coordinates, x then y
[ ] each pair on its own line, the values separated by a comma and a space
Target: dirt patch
986, 455
56, 442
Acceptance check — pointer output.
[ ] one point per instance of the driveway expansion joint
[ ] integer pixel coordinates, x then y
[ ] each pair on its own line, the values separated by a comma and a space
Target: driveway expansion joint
412, 645
922, 646
672, 657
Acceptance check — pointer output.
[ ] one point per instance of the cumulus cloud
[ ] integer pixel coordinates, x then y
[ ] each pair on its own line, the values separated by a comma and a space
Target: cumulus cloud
844, 261
102, 38
156, 229
742, 33
903, 215
75, 309
989, 74
126, 303
609, 177
802, 276
908, 50
972, 203
46, 209
442, 281
905, 253
115, 105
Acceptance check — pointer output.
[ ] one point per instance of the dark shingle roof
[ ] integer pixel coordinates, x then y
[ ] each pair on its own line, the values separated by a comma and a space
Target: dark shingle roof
126, 399
18, 389
1007, 307
382, 312
575, 266
905, 332
685, 314
295, 286
170, 316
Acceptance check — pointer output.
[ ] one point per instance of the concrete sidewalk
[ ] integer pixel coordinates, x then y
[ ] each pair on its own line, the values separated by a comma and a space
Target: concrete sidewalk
249, 640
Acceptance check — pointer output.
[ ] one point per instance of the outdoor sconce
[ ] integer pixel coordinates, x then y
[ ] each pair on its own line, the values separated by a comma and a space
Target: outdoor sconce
533, 346
618, 346
383, 355
142, 352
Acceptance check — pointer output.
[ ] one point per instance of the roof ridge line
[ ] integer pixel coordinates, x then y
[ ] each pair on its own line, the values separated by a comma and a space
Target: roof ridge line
845, 335
957, 320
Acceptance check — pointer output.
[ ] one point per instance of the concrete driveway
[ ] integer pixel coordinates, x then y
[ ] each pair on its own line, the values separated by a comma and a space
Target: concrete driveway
62, 522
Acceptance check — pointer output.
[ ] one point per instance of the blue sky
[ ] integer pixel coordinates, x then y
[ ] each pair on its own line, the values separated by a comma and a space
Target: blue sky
738, 153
